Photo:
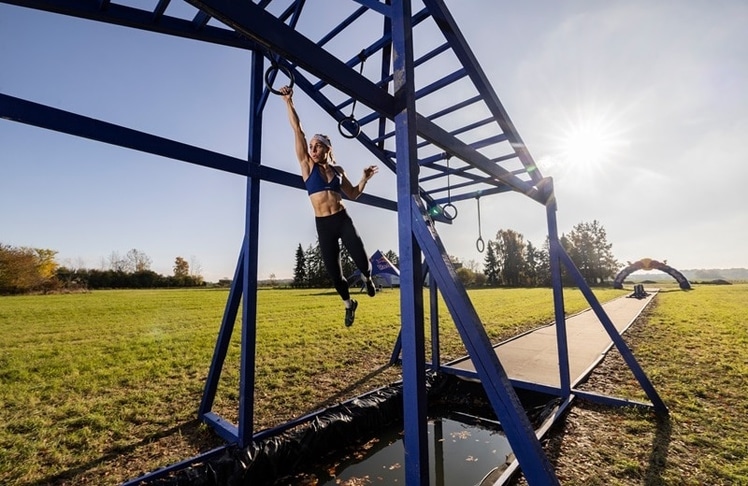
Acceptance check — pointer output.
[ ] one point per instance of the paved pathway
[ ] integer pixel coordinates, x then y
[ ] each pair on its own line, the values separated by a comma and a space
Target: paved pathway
533, 357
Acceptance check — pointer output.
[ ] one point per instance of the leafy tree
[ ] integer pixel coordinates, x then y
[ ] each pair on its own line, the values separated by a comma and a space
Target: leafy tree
466, 276
299, 272
181, 268
479, 279
45, 263
117, 263
588, 247
145, 279
25, 269
196, 270
137, 261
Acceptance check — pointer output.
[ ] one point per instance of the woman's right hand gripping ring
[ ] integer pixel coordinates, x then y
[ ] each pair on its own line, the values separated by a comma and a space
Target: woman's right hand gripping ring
270, 77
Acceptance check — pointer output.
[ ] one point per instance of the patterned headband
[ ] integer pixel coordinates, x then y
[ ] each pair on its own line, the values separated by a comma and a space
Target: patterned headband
323, 139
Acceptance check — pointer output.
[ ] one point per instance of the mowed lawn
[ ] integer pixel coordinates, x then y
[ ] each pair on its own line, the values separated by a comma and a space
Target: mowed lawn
102, 387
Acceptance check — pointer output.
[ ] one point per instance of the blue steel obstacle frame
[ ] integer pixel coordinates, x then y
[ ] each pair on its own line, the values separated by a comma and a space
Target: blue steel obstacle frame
471, 128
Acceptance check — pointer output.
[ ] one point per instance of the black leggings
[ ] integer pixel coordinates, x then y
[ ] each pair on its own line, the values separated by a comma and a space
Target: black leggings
330, 229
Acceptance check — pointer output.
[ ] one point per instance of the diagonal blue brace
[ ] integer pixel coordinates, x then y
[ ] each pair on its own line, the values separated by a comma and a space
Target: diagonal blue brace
509, 410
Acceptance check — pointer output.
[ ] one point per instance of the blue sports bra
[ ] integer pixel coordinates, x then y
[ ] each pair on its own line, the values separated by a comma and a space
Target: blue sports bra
316, 181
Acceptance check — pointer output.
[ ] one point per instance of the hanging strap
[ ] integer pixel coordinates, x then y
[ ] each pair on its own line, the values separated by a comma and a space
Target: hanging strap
480, 245
349, 127
449, 210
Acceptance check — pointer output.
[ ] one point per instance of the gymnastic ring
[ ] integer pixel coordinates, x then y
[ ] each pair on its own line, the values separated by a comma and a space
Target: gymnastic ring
355, 130
277, 67
480, 245
447, 213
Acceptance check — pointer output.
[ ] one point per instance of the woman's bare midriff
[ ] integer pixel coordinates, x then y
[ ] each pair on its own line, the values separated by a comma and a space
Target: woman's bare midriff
326, 203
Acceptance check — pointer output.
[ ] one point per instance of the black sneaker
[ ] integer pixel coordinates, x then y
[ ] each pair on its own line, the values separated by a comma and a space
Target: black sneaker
350, 313
370, 289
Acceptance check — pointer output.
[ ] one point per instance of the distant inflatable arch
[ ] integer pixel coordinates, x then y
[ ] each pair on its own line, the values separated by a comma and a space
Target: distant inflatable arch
649, 264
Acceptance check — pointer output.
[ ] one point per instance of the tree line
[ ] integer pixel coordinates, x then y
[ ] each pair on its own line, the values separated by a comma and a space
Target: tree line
27, 270
510, 261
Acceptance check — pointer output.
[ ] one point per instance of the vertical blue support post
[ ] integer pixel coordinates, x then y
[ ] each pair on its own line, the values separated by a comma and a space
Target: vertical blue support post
517, 427
249, 308
558, 296
434, 312
411, 281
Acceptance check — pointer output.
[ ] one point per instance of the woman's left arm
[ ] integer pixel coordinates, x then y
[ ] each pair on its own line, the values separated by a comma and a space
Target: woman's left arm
353, 192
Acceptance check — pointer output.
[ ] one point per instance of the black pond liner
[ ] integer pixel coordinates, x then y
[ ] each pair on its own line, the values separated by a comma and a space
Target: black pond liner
342, 428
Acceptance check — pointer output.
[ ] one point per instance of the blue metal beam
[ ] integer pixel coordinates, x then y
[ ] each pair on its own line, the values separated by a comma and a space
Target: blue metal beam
558, 299
439, 137
609, 401
411, 293
461, 49
224, 339
140, 19
167, 471
225, 429
380, 7
30, 113
507, 406
617, 339
251, 252
278, 38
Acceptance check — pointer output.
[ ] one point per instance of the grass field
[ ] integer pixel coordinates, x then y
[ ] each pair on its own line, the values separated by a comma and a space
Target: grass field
101, 387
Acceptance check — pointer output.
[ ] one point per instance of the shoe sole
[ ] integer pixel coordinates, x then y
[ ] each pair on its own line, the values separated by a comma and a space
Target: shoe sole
353, 314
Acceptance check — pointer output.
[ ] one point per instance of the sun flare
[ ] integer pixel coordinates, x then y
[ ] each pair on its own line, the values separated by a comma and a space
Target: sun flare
586, 143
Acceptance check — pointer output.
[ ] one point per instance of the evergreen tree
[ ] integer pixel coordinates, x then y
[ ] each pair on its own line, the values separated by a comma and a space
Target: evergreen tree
543, 268
532, 265
491, 267
315, 268
299, 271
346, 262
392, 257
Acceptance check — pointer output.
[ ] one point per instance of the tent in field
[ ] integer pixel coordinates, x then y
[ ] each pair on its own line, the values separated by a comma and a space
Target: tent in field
383, 272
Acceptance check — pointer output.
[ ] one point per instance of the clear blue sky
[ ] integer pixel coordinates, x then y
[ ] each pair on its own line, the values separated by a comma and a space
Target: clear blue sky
637, 109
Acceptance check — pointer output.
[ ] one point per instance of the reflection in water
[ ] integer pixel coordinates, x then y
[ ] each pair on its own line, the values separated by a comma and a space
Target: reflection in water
460, 454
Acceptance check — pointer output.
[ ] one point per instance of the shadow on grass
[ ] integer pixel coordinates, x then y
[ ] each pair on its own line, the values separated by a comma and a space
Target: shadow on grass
192, 431
348, 390
658, 456
562, 431
325, 292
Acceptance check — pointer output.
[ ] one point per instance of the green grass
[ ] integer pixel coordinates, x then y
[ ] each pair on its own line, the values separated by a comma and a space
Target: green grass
99, 388
694, 348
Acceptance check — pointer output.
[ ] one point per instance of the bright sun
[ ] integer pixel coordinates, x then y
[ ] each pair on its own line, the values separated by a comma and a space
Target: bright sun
586, 143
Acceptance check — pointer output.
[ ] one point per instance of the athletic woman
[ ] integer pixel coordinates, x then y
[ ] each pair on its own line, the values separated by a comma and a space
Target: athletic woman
326, 182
